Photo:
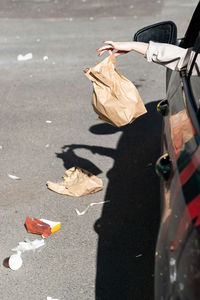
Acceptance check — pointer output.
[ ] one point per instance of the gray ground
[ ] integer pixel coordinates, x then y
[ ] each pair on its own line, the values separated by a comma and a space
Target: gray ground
107, 253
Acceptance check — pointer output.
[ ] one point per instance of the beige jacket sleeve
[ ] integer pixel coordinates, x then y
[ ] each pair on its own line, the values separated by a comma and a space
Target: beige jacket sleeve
170, 56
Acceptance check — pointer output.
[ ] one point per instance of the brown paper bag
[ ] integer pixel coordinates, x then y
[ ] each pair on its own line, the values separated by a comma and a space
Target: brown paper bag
77, 182
115, 98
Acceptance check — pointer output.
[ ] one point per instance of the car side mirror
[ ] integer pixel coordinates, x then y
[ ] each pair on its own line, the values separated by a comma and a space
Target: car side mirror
162, 32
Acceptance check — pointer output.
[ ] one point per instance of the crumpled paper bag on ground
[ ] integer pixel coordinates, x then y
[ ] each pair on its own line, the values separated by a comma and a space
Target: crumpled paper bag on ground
77, 182
115, 98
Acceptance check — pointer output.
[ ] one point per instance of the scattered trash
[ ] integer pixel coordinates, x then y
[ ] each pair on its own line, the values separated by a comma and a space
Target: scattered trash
91, 18
90, 205
139, 255
28, 245
45, 58
1, 147
47, 145
15, 261
77, 182
21, 57
14, 177
48, 121
55, 226
50, 298
14, 212
42, 226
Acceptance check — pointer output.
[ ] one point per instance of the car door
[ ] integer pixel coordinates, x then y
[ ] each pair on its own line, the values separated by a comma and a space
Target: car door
177, 268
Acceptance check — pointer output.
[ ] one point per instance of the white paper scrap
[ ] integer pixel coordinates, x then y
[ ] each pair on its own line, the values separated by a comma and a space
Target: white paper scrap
27, 56
139, 255
50, 298
29, 245
90, 205
45, 58
48, 121
14, 177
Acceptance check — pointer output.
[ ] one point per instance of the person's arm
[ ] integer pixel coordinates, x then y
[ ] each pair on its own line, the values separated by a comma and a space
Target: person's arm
170, 56
122, 47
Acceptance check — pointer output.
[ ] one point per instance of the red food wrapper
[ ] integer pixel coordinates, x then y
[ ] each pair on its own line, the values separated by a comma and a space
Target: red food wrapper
38, 227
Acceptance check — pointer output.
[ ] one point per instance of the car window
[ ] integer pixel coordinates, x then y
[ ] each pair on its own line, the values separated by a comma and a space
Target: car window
194, 74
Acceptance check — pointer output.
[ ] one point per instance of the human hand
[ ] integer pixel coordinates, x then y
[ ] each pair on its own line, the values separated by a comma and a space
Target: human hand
120, 47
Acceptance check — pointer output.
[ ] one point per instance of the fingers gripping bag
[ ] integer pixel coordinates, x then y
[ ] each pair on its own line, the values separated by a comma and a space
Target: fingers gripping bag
115, 98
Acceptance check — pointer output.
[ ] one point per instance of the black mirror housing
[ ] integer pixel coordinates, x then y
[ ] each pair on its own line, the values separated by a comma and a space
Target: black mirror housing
162, 32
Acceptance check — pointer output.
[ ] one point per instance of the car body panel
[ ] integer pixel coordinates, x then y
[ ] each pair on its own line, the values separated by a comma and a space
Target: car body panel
177, 258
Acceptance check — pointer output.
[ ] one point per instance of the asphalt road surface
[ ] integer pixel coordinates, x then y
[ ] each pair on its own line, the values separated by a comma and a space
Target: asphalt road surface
109, 252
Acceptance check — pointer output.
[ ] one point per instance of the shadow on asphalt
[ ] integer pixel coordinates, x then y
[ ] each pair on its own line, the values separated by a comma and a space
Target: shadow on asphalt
129, 223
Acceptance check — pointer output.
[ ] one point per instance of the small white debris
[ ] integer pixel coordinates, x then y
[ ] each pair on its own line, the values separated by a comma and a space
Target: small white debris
84, 0
53, 63
91, 18
1, 147
48, 121
14, 177
50, 298
15, 261
114, 18
131, 6
139, 255
28, 245
90, 205
70, 19
27, 56
47, 145
38, 40
45, 58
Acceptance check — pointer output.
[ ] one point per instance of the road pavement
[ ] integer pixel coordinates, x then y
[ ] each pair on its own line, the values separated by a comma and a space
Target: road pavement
109, 252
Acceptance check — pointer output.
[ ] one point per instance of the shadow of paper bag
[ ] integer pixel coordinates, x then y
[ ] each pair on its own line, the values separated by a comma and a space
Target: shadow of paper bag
115, 98
77, 182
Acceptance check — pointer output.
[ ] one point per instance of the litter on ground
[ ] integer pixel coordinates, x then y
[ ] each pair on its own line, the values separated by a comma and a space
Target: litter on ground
15, 261
25, 57
42, 226
77, 182
13, 177
90, 205
28, 245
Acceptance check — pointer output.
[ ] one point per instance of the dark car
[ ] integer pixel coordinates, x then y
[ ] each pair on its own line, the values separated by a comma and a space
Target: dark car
177, 257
